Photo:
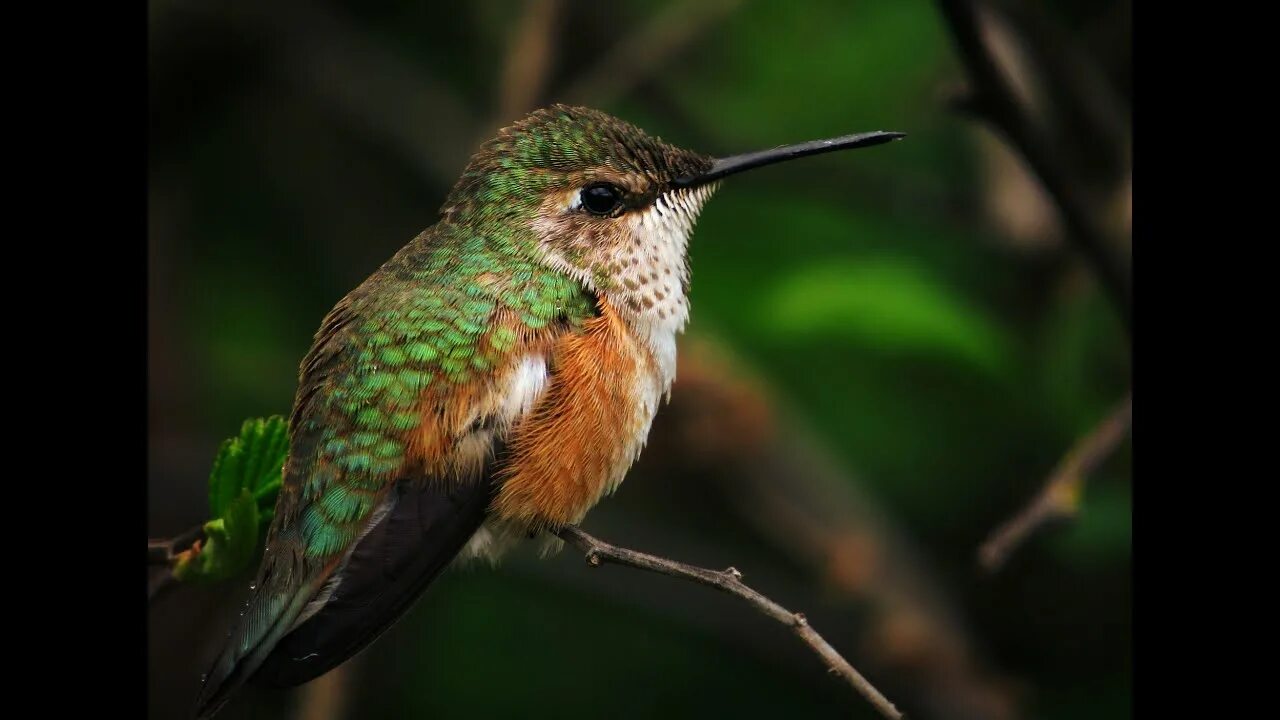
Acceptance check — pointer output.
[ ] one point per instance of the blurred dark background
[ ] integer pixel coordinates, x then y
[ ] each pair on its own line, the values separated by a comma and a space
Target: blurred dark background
890, 350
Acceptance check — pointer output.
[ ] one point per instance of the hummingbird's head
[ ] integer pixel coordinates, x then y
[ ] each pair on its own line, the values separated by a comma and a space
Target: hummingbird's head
605, 202
597, 195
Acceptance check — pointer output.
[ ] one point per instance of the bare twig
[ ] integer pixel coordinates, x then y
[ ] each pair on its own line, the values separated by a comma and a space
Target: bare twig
599, 552
1060, 496
993, 99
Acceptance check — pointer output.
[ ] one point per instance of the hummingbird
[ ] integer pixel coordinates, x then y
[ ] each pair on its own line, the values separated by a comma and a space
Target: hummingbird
487, 385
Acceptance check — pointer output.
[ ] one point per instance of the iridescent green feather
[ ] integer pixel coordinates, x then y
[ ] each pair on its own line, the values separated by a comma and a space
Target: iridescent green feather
423, 322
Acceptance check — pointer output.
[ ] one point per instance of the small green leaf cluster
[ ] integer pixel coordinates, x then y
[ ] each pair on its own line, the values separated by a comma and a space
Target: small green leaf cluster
246, 477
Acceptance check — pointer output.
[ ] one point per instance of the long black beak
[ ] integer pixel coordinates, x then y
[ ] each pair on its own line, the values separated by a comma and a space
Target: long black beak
746, 161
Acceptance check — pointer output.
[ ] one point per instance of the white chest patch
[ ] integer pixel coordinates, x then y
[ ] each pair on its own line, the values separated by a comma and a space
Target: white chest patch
524, 386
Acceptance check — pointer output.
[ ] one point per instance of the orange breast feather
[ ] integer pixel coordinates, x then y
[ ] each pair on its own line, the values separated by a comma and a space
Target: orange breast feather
585, 432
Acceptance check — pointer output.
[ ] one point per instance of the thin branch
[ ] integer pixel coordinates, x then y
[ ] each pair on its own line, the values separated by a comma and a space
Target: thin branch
599, 552
993, 98
1060, 496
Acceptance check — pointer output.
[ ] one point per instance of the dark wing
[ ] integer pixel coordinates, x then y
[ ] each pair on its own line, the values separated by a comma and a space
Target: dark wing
425, 527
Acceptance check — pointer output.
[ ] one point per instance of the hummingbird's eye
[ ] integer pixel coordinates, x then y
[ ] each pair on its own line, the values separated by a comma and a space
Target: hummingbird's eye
601, 198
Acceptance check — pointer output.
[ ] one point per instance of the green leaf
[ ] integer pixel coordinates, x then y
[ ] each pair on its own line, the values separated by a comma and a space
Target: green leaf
887, 304
243, 484
224, 478
229, 545
253, 461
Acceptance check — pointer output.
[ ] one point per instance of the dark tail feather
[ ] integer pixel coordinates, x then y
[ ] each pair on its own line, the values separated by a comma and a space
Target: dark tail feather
390, 567
267, 616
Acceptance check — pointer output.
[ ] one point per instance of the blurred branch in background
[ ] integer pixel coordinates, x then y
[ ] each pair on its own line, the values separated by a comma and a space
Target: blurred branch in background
321, 52
730, 581
1078, 90
633, 59
1060, 496
1033, 118
327, 697
992, 97
528, 65
647, 50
